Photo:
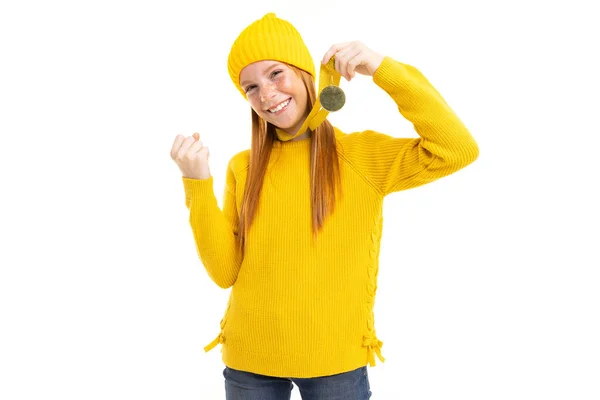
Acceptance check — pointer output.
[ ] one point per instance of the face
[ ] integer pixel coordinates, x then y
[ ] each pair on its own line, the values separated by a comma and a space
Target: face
276, 94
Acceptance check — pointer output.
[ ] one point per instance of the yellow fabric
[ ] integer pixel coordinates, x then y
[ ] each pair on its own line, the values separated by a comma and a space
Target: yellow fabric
269, 38
299, 308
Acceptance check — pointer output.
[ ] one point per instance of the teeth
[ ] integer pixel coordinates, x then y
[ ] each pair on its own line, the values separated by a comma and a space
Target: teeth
285, 103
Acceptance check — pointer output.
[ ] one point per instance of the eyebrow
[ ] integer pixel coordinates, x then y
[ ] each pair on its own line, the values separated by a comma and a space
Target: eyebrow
277, 64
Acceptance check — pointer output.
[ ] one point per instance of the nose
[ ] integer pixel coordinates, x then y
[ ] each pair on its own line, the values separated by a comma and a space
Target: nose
266, 93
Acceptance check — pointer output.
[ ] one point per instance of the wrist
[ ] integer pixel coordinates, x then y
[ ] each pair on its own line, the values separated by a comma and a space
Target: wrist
378, 60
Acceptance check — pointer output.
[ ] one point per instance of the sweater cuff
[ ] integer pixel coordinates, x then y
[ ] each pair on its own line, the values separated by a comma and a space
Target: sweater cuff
391, 75
197, 188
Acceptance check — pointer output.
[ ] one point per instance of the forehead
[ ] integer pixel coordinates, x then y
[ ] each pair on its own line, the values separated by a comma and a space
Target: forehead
258, 68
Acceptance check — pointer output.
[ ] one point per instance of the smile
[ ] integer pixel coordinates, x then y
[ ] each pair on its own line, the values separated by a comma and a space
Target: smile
280, 106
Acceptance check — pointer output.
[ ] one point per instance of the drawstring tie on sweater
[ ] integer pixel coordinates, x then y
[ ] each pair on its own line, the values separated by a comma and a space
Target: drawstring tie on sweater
218, 339
373, 345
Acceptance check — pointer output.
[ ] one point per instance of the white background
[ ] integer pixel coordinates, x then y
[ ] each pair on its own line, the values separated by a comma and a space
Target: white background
488, 280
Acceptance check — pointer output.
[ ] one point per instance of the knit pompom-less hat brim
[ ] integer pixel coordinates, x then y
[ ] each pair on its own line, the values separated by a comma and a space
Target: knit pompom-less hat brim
269, 38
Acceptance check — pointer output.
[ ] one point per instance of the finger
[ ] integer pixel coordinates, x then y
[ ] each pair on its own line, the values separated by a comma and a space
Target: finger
343, 57
353, 59
196, 135
195, 147
185, 146
332, 50
176, 145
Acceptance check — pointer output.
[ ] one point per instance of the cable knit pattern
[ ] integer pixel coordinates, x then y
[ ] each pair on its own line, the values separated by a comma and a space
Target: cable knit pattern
370, 340
304, 308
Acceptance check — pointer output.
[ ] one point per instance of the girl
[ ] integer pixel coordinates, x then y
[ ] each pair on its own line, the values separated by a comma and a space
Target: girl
299, 234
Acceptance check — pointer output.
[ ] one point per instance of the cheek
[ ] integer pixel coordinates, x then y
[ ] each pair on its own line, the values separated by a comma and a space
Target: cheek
254, 103
296, 89
285, 85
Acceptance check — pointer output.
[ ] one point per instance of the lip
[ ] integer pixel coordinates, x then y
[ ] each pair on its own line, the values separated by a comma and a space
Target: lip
277, 105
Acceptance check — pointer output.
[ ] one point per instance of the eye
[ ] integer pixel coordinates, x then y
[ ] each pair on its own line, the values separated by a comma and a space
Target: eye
249, 87
276, 72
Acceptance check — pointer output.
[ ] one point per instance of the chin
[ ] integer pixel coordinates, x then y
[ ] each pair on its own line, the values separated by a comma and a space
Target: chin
296, 123
286, 127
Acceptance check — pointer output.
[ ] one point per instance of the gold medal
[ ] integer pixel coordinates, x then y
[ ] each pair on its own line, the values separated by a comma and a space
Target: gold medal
332, 97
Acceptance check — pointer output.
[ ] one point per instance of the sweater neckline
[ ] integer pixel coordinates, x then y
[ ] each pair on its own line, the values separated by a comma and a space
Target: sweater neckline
292, 144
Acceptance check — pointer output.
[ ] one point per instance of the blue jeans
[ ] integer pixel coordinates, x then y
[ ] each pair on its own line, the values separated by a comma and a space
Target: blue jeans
351, 385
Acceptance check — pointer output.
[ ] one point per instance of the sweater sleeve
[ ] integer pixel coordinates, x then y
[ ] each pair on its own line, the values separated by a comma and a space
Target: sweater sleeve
214, 230
393, 164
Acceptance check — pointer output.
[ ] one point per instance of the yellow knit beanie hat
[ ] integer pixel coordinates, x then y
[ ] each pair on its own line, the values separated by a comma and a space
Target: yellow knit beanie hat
269, 38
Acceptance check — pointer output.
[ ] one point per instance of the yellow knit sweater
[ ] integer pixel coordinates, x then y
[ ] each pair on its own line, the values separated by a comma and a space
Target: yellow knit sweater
299, 308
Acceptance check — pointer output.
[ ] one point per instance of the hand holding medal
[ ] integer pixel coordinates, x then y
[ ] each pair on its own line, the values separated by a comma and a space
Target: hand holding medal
341, 59
344, 59
352, 57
